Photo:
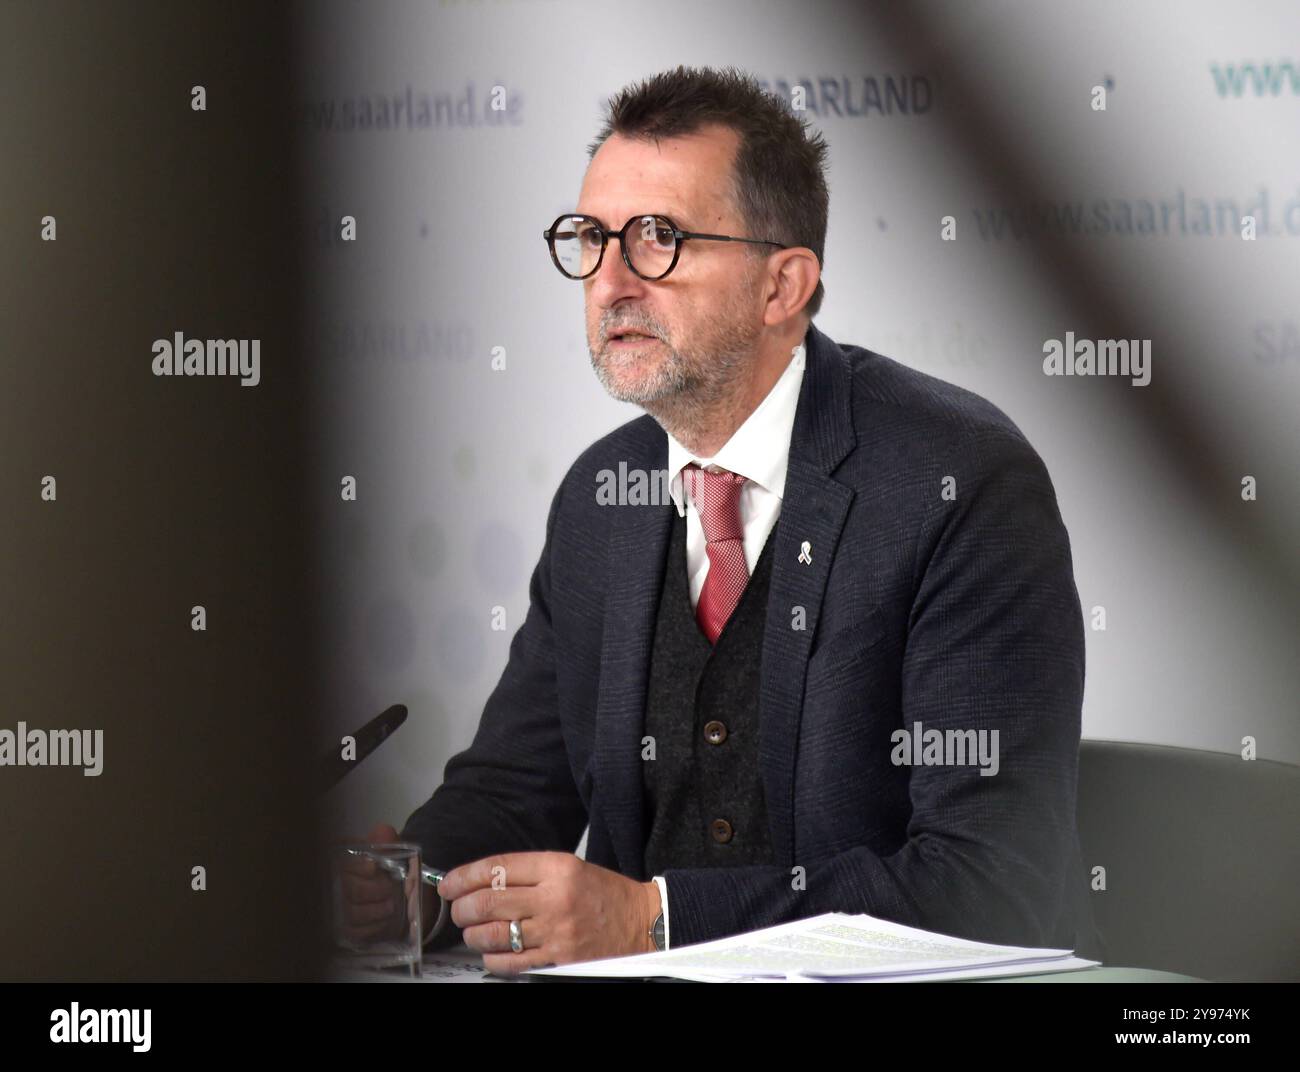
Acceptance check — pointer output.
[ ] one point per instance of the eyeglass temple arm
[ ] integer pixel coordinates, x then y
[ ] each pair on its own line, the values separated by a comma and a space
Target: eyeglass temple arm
730, 238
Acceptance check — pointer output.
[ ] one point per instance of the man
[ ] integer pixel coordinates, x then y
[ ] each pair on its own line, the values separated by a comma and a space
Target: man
725, 683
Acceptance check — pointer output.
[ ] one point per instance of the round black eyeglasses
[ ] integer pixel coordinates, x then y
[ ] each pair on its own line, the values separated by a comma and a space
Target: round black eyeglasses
651, 244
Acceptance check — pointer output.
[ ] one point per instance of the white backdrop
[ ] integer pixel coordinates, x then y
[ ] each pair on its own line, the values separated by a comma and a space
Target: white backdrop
456, 463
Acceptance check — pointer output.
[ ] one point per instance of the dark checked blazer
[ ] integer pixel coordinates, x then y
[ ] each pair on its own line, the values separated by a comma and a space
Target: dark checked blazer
952, 612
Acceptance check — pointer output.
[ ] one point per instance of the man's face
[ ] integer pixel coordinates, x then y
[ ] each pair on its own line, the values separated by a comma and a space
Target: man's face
706, 316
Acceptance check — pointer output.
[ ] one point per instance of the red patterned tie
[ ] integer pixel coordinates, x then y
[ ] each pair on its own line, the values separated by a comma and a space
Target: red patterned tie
717, 497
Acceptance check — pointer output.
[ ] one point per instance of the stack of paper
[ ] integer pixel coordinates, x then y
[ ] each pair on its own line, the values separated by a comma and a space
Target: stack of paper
835, 947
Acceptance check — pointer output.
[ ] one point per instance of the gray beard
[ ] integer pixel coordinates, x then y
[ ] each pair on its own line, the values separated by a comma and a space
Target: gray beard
694, 394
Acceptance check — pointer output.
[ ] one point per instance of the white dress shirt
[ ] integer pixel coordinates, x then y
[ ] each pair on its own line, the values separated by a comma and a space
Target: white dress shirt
758, 450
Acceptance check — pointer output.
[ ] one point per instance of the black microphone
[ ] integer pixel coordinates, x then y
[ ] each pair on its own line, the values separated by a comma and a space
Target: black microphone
369, 737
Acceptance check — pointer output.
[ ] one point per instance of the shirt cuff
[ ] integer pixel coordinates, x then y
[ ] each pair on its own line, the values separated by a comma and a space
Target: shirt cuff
662, 883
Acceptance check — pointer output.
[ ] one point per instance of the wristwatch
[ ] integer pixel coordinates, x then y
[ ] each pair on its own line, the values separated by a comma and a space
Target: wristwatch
657, 933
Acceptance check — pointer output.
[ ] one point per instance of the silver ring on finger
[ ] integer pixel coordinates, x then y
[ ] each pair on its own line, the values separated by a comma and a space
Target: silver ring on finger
516, 937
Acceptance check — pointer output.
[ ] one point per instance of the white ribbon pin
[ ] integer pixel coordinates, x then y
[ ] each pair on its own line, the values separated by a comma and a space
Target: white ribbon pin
805, 554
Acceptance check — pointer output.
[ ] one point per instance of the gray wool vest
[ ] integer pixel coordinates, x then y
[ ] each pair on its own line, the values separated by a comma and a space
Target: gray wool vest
703, 790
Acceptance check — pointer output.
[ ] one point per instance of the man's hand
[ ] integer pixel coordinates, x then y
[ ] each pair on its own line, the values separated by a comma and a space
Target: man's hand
568, 909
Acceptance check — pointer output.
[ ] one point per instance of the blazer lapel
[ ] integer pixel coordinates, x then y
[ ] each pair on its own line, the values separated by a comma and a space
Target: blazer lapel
638, 544
813, 512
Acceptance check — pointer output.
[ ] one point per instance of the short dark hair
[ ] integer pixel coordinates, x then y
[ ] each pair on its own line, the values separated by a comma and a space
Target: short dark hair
778, 182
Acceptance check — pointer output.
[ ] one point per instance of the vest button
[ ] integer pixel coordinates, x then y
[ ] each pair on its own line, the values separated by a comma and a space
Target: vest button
715, 732
721, 831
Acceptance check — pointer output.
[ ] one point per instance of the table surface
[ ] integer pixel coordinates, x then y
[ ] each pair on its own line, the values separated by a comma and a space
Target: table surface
460, 964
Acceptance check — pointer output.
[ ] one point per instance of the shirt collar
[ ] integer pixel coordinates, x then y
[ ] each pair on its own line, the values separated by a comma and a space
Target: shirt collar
759, 449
